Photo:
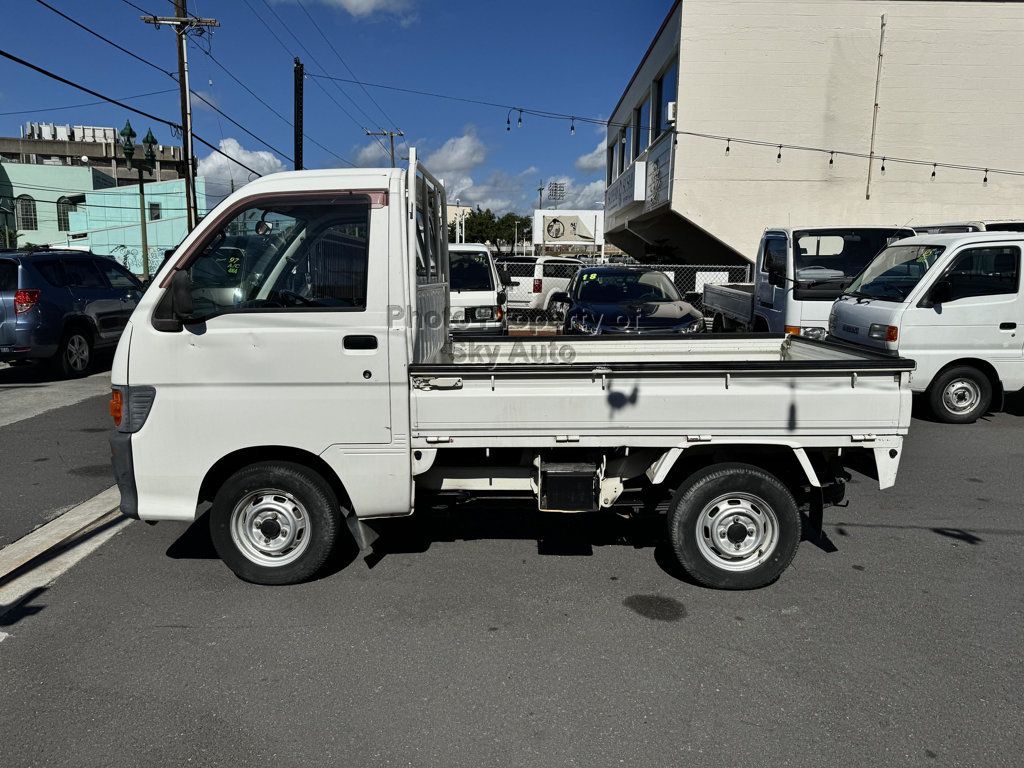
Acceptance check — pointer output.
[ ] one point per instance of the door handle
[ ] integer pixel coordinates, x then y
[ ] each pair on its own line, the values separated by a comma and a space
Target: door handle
1007, 326
360, 342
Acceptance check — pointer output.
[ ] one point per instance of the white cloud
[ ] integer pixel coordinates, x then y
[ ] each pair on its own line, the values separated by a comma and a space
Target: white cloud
220, 171
372, 155
362, 9
586, 197
457, 155
592, 162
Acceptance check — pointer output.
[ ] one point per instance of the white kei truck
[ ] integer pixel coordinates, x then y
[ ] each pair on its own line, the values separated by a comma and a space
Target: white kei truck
799, 272
953, 303
323, 391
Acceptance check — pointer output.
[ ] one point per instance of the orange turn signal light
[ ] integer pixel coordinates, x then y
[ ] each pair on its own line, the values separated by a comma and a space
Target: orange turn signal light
793, 330
116, 406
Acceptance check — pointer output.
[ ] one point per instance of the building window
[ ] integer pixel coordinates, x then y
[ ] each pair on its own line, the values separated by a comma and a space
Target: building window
627, 145
665, 91
25, 213
154, 211
643, 125
64, 208
620, 142
611, 161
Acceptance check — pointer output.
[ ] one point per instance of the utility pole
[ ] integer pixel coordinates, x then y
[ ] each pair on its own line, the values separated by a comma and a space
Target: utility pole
391, 136
182, 24
540, 194
300, 74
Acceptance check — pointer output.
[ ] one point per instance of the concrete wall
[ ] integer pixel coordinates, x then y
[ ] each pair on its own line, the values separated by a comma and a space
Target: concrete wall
803, 72
45, 184
108, 223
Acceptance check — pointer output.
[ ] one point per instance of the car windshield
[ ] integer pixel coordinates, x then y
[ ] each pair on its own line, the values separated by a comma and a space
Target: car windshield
470, 271
623, 287
823, 255
895, 271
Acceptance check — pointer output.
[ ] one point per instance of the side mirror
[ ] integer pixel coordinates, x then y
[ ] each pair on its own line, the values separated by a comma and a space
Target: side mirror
181, 296
559, 297
502, 297
941, 292
777, 279
504, 276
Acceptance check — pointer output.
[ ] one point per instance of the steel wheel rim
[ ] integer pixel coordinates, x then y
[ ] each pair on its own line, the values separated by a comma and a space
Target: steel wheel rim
78, 352
961, 396
719, 536
270, 527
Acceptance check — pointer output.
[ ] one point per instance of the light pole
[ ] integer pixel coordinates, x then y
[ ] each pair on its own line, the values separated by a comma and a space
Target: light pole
128, 148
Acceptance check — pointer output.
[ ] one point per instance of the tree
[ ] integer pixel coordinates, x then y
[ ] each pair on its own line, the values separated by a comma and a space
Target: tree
482, 226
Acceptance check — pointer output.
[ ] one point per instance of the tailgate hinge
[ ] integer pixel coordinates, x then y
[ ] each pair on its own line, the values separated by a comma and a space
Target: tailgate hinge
434, 439
698, 438
863, 438
567, 438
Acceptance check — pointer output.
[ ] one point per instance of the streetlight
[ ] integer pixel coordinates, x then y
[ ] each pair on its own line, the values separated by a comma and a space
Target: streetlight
128, 149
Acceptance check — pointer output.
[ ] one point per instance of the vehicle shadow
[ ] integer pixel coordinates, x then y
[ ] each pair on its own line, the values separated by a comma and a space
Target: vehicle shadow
39, 373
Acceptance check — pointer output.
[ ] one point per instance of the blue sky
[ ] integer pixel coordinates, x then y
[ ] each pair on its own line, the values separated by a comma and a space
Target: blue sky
565, 56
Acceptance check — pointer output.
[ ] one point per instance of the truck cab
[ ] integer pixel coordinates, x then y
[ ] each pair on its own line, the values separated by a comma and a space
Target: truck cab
950, 302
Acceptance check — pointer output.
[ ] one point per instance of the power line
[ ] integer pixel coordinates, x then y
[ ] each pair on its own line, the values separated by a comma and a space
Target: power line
345, 64
728, 140
85, 104
316, 61
168, 73
118, 103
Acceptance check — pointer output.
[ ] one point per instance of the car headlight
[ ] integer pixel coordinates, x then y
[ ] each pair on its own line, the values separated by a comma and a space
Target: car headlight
882, 332
814, 332
582, 324
693, 327
483, 313
458, 314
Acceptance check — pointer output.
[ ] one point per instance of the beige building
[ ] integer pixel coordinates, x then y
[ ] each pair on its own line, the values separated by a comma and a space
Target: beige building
806, 73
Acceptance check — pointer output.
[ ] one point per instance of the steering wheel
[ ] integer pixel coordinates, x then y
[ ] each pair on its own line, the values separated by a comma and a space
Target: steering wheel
293, 299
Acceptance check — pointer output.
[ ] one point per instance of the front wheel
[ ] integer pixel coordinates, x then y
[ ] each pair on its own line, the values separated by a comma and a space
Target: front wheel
960, 395
274, 523
734, 526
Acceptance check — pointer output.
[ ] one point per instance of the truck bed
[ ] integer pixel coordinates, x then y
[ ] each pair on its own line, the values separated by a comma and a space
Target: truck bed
656, 391
734, 301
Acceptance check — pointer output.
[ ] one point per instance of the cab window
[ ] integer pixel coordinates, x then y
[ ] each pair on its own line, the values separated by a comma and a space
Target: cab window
985, 272
285, 257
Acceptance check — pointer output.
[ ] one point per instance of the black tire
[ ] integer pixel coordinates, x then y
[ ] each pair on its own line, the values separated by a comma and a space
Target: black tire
711, 488
74, 357
302, 495
966, 385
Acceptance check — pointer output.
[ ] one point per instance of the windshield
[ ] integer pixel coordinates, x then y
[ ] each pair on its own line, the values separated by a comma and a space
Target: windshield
824, 255
621, 287
470, 271
895, 272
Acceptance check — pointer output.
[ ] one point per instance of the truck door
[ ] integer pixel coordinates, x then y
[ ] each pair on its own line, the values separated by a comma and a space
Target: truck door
980, 316
770, 302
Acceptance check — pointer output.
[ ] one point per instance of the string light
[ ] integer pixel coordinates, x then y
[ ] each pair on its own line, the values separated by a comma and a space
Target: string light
728, 142
519, 123
934, 166
572, 127
508, 121
883, 166
985, 180
831, 158
778, 157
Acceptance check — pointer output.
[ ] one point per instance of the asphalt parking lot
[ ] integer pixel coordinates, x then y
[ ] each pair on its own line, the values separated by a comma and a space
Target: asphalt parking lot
499, 637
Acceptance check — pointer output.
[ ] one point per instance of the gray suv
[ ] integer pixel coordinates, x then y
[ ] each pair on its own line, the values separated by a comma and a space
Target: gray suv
61, 306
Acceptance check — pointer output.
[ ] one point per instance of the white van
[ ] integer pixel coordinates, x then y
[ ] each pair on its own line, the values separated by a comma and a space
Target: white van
951, 303
478, 297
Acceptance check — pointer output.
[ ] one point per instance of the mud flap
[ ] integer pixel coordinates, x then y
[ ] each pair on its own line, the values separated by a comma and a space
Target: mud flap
363, 534
887, 462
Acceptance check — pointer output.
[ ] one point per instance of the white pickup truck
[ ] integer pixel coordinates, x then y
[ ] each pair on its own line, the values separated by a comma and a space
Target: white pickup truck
324, 391
799, 272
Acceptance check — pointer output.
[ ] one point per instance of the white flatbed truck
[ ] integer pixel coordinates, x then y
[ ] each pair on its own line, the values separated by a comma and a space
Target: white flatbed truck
313, 388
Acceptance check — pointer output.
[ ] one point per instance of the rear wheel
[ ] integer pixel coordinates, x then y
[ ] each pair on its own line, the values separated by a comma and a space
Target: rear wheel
274, 523
734, 526
74, 354
960, 395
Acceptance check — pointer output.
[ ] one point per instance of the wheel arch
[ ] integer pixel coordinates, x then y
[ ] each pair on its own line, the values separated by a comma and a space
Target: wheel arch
790, 464
982, 365
236, 460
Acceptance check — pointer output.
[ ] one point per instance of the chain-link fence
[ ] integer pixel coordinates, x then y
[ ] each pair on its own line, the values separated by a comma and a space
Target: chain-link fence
534, 281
